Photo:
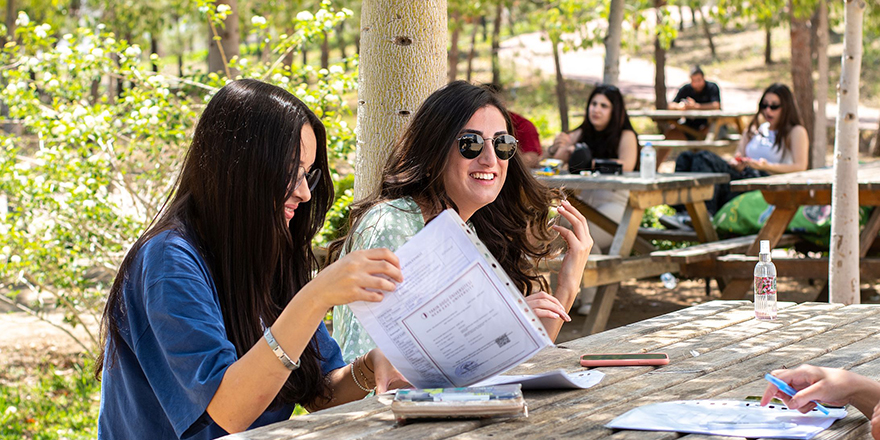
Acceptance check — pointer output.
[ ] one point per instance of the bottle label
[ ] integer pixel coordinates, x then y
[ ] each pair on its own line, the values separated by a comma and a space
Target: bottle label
765, 285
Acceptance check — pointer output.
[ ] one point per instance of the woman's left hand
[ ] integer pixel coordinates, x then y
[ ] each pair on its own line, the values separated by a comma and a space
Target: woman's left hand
760, 164
546, 306
579, 245
386, 376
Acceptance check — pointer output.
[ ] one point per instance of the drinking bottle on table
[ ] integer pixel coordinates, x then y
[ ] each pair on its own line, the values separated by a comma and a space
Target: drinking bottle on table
765, 285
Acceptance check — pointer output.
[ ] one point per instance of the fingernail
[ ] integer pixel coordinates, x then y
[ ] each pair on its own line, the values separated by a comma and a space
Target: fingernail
567, 318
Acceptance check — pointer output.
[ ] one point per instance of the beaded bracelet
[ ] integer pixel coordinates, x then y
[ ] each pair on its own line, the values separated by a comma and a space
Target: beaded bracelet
354, 377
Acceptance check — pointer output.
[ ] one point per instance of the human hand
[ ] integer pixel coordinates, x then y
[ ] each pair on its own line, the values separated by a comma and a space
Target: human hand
579, 245
830, 385
359, 276
385, 375
760, 164
737, 163
547, 306
689, 103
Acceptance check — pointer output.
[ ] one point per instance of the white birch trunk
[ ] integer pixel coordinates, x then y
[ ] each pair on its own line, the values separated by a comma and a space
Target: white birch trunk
843, 270
402, 61
612, 42
820, 131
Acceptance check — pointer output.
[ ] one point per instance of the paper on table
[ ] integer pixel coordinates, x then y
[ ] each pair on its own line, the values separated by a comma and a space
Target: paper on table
551, 380
457, 318
727, 417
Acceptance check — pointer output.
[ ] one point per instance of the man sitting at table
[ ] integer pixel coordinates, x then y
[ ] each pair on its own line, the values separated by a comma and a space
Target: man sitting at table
699, 94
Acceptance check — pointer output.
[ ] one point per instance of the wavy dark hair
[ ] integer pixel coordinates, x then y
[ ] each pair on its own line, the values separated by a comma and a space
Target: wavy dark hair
229, 200
604, 144
788, 118
513, 227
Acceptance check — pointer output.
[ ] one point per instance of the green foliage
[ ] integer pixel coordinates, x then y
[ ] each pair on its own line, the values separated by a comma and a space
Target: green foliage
651, 219
103, 139
336, 224
56, 402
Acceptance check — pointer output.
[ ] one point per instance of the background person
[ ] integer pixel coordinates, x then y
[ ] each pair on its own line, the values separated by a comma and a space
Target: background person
774, 142
213, 323
457, 153
699, 94
608, 133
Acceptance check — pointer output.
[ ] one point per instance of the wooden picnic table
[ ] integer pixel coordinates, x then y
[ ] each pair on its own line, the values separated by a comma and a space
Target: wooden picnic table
689, 189
716, 118
788, 192
717, 350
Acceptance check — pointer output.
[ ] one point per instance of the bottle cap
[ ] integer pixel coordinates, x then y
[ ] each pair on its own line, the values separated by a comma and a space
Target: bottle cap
648, 144
765, 246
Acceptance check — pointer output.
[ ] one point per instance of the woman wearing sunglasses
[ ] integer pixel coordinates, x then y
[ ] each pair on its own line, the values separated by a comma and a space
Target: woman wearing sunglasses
779, 144
459, 152
215, 321
775, 142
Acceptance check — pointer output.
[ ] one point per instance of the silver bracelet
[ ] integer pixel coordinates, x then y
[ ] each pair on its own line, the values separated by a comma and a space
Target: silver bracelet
353, 377
282, 356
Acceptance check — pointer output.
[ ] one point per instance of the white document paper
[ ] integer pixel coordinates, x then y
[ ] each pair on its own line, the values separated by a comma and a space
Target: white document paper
550, 380
727, 417
457, 318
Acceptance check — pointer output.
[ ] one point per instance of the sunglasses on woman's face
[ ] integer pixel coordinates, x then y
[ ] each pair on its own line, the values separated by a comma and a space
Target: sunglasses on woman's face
470, 145
770, 106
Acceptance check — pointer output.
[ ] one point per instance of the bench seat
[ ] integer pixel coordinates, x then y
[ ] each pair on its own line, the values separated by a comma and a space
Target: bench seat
706, 251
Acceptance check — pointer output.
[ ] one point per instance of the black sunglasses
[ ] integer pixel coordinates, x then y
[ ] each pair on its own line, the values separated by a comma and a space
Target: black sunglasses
470, 145
762, 106
312, 178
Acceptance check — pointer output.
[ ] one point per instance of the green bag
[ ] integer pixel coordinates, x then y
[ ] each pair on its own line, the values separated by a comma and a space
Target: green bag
746, 213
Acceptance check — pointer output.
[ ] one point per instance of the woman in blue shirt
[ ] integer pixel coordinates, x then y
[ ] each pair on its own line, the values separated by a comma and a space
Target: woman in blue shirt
214, 323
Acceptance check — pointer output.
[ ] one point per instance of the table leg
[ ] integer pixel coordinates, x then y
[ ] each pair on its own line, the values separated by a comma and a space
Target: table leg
869, 234
702, 222
773, 229
602, 303
627, 232
641, 245
737, 288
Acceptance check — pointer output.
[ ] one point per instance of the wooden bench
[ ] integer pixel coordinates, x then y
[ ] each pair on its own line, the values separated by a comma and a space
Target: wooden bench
694, 145
654, 138
711, 250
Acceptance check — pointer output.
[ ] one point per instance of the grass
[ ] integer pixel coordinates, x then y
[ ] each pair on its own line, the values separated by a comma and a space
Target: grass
53, 398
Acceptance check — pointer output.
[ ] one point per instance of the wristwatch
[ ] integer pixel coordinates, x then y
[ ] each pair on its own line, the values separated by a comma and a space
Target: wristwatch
282, 356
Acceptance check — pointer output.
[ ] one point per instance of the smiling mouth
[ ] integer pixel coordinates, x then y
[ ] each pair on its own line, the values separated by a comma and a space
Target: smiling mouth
288, 211
483, 176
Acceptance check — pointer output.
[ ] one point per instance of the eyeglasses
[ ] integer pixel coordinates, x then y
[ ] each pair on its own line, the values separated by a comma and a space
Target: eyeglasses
470, 145
762, 106
312, 177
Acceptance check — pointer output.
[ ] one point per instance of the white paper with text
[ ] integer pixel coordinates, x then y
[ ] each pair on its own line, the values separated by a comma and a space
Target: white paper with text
457, 318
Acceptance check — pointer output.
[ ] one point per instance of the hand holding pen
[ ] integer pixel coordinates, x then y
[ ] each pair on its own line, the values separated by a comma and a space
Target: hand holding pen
829, 385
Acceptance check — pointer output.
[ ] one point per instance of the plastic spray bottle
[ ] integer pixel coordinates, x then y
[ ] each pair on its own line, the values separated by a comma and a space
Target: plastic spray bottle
765, 285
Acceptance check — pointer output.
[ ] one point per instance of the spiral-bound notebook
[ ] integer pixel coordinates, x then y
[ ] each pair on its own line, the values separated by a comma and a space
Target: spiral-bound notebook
457, 318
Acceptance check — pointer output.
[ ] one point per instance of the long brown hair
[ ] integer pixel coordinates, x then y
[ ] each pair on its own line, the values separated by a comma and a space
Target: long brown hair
513, 227
789, 117
229, 200
606, 143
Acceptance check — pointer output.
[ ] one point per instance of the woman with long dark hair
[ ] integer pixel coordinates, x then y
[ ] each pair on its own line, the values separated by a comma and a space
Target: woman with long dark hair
459, 152
606, 130
775, 142
214, 322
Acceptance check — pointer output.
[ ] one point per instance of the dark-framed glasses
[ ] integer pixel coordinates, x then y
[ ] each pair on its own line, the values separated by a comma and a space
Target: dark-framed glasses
312, 177
763, 106
470, 145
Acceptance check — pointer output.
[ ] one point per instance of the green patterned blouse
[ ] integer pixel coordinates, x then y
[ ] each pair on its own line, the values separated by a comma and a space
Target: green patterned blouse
387, 225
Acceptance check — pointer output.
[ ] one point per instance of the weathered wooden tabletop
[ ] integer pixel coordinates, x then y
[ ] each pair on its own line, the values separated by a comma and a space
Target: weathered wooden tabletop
681, 113
810, 180
632, 181
717, 350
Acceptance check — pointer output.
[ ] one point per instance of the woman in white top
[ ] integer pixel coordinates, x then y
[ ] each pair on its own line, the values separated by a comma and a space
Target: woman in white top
780, 143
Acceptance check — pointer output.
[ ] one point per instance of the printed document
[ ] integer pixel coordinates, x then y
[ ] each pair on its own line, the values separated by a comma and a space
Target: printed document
457, 318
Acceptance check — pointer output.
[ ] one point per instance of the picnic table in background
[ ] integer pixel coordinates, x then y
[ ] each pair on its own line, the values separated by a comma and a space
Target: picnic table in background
788, 192
717, 350
689, 189
716, 118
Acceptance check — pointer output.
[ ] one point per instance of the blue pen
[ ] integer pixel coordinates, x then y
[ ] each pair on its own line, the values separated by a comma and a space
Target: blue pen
787, 389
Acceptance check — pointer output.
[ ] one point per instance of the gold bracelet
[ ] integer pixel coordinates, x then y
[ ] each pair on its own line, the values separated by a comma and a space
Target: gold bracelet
353, 377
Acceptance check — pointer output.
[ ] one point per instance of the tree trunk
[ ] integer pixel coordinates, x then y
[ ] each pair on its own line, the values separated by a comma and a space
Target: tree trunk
403, 60
496, 43
820, 138
660, 65
612, 42
693, 13
802, 69
453, 47
154, 49
10, 20
708, 34
220, 54
561, 95
473, 51
680, 15
768, 44
325, 51
875, 147
340, 39
843, 269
